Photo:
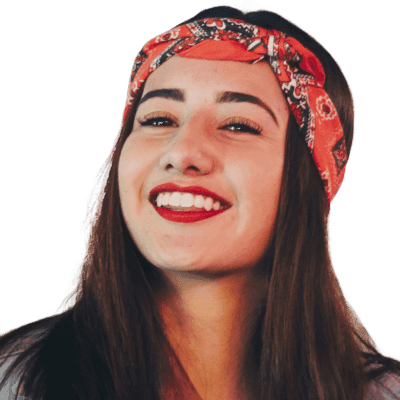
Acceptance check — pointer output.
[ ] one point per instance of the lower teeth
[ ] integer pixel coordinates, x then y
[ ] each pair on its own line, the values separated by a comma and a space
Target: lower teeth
184, 209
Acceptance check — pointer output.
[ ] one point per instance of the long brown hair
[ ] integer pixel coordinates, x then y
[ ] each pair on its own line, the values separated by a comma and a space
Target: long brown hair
306, 343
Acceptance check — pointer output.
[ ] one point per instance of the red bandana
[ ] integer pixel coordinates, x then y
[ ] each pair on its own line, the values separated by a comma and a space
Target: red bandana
298, 70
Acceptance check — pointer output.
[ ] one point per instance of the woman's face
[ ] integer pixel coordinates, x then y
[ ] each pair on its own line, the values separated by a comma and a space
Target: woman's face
200, 137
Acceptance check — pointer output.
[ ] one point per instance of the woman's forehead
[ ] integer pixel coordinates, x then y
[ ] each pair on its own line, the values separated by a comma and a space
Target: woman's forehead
211, 77
187, 69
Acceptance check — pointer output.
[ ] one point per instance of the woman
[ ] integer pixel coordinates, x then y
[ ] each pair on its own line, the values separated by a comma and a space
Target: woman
208, 274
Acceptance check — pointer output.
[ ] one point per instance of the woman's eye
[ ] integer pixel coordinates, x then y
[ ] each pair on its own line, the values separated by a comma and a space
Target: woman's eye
158, 121
243, 128
239, 124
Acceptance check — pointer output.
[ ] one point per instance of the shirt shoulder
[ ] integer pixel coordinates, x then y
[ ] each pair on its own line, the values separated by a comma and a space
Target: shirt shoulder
9, 390
387, 387
7, 357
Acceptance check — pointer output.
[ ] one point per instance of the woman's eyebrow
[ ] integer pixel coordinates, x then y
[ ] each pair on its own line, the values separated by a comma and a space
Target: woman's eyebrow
222, 97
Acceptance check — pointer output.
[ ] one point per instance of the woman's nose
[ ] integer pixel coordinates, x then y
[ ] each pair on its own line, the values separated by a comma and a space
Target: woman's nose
189, 152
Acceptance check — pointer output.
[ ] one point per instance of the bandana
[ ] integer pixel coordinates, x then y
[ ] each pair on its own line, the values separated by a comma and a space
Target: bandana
299, 73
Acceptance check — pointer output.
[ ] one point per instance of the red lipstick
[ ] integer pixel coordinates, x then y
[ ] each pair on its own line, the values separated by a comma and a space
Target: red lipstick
186, 216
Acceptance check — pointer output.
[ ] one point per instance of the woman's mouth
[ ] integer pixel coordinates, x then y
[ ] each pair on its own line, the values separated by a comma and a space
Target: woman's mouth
186, 207
179, 201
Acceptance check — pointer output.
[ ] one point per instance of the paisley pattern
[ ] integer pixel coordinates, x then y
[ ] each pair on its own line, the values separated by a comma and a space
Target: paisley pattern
299, 72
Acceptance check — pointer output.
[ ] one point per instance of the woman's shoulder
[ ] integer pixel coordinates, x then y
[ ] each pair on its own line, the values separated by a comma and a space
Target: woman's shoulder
8, 356
9, 388
386, 387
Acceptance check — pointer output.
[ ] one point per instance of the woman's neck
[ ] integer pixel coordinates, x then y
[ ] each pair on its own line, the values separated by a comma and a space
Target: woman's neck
208, 321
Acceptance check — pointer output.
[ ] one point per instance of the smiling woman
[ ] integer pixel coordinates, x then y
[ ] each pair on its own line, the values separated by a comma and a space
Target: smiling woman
198, 137
207, 274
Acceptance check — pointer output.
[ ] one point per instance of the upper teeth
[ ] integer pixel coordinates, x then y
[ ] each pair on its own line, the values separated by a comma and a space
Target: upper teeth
177, 199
